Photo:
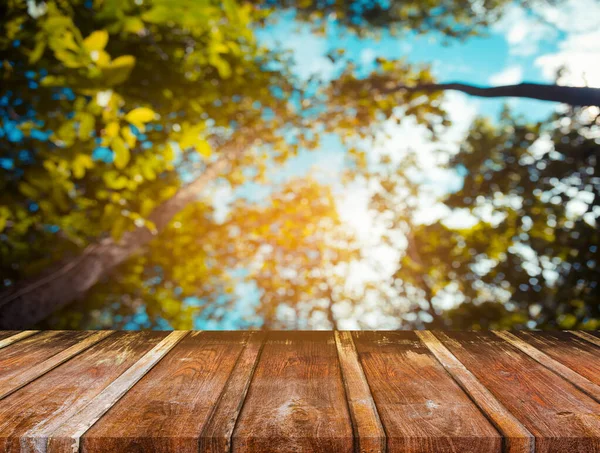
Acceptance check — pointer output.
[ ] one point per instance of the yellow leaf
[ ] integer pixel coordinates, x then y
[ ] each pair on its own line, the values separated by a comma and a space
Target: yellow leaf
118, 70
4, 216
114, 181
28, 190
112, 129
37, 51
121, 152
96, 41
140, 115
203, 148
81, 163
128, 136
118, 227
86, 125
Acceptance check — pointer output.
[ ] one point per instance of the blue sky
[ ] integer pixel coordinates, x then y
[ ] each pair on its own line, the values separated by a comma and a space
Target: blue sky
521, 47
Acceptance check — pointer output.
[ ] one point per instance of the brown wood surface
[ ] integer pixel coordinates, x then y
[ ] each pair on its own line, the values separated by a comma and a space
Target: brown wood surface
32, 350
8, 337
31, 414
590, 337
561, 417
369, 435
579, 361
166, 410
217, 432
296, 401
15, 381
422, 408
7, 333
112, 392
517, 439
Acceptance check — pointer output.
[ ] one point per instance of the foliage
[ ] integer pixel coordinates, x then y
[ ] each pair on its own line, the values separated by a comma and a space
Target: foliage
527, 252
450, 18
109, 108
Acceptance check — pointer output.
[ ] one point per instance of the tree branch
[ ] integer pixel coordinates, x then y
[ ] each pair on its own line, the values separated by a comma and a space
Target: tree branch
575, 96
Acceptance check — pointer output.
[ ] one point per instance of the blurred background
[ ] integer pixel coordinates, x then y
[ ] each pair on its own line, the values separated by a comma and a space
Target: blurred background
299, 164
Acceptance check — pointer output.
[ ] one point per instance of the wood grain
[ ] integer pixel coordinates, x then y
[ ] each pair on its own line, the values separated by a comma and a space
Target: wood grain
421, 407
369, 436
516, 438
7, 333
588, 336
33, 350
30, 415
561, 417
67, 437
8, 337
168, 408
573, 359
216, 434
172, 403
296, 400
15, 382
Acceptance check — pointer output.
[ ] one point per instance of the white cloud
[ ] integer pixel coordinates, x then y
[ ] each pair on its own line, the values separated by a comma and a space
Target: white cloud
573, 25
367, 56
523, 31
579, 55
509, 76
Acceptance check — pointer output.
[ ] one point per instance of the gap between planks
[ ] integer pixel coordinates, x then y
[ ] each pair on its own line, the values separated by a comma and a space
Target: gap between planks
16, 337
516, 437
579, 381
17, 382
67, 437
369, 434
217, 433
586, 336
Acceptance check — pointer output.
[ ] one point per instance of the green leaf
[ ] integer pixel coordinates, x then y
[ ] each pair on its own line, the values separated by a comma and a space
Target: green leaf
28, 190
81, 163
118, 70
86, 125
37, 51
4, 216
121, 151
133, 25
115, 181
118, 227
141, 115
231, 9
96, 41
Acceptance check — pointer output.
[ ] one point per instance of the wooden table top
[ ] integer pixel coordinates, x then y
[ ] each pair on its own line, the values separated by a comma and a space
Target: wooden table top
375, 391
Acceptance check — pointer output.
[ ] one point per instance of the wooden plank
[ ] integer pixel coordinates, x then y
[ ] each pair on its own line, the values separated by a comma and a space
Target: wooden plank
7, 333
216, 434
15, 382
588, 336
67, 437
369, 435
570, 357
421, 407
35, 349
561, 417
167, 410
30, 415
517, 439
8, 337
296, 401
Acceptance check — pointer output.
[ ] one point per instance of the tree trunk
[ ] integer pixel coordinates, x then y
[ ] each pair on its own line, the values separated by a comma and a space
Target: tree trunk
575, 96
31, 301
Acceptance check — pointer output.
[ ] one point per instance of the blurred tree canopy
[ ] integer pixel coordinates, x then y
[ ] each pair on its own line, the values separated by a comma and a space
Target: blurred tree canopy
122, 121
528, 255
